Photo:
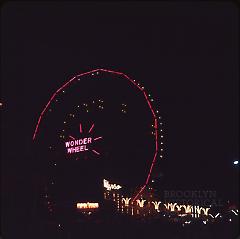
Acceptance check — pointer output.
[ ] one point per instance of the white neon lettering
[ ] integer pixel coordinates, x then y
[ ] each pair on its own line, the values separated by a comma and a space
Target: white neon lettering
87, 205
79, 145
89, 140
109, 186
67, 144
78, 142
77, 149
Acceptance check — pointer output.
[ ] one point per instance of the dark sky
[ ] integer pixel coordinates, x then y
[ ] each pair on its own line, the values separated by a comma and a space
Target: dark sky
186, 54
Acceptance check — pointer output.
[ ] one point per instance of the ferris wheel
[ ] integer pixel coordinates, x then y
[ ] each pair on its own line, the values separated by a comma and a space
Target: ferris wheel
99, 124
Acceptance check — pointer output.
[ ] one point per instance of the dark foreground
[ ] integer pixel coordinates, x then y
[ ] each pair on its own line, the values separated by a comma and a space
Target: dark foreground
120, 226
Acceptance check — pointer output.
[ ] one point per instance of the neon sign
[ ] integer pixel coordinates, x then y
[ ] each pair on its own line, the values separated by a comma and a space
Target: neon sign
87, 205
109, 186
79, 145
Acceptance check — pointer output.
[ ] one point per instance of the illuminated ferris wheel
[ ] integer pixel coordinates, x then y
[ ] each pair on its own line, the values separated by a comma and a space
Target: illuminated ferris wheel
99, 124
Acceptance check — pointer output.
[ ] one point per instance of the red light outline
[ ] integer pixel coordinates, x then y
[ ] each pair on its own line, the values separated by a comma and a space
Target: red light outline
100, 137
133, 82
91, 128
80, 128
94, 151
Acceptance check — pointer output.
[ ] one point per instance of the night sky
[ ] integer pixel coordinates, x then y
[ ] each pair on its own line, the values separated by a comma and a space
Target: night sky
185, 54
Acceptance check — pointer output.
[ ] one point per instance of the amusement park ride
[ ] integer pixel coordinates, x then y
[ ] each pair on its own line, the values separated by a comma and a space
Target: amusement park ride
98, 138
